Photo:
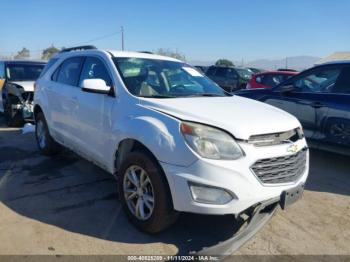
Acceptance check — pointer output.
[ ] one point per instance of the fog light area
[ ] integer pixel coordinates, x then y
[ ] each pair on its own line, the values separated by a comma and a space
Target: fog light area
210, 195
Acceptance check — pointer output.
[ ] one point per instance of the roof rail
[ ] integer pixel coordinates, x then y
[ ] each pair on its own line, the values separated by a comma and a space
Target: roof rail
146, 52
78, 48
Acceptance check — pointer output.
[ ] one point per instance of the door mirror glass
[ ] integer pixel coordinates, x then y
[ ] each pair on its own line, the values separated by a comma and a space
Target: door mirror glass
95, 86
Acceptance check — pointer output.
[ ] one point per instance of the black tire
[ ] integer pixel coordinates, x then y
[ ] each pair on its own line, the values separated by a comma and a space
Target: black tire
49, 146
12, 120
163, 214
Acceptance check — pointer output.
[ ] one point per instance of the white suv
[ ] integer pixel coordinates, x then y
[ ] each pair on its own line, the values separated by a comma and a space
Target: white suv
174, 139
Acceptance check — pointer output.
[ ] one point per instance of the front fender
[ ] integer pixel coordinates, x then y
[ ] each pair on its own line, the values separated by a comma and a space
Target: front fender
161, 135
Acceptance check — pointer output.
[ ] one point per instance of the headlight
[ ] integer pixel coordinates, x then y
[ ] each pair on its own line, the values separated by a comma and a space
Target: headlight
210, 142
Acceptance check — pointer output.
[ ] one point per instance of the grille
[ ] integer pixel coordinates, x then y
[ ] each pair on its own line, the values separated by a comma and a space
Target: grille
276, 138
281, 169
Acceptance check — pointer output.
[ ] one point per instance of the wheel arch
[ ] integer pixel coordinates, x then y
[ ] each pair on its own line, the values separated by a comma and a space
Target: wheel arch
37, 109
131, 145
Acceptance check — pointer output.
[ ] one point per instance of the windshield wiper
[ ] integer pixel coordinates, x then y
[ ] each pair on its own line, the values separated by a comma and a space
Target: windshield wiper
159, 96
205, 94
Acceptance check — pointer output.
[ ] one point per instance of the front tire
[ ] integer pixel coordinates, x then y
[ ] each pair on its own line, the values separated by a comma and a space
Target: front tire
46, 144
144, 193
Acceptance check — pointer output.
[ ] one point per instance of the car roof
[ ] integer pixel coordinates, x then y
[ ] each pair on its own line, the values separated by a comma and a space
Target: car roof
336, 62
278, 73
223, 66
117, 53
146, 55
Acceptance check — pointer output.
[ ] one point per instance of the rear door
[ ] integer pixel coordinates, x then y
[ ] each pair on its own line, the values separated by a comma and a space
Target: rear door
62, 94
336, 125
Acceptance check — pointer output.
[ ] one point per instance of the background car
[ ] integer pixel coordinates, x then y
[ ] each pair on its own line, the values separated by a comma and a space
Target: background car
269, 79
287, 70
320, 99
17, 79
229, 78
256, 70
202, 69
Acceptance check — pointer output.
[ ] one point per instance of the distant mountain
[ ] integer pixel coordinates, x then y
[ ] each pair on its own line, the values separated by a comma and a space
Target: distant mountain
295, 62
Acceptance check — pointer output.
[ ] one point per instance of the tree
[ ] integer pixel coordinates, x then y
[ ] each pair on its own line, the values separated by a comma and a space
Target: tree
224, 62
171, 53
49, 52
24, 53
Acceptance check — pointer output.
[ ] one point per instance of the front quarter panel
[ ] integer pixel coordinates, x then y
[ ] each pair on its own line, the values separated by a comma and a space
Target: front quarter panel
159, 132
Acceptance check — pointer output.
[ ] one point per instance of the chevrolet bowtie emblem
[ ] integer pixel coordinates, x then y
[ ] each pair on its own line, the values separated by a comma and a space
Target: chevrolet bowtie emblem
292, 149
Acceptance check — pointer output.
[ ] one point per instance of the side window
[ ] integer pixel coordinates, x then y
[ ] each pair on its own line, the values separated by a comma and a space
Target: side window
55, 74
259, 79
342, 86
51, 62
211, 71
69, 71
231, 73
273, 80
95, 69
221, 72
318, 80
2, 70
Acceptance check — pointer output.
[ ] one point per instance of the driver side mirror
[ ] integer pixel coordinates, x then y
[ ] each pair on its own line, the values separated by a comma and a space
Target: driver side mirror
98, 86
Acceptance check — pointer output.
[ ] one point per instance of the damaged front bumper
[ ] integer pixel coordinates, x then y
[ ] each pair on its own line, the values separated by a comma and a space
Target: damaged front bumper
255, 218
24, 107
27, 110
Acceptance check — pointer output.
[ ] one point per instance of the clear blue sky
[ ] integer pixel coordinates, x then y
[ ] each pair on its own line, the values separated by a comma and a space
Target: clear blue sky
201, 29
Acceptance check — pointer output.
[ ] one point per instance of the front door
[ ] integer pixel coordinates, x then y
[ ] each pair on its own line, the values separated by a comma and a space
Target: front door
305, 100
93, 116
336, 125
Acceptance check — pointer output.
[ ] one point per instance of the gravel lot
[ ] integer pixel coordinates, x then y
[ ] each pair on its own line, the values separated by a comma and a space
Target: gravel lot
66, 205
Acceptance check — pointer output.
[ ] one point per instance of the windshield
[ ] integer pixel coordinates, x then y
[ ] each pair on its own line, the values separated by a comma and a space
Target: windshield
164, 79
23, 72
245, 73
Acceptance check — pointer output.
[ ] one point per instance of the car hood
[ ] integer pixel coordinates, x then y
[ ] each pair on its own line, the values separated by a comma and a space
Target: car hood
240, 116
28, 86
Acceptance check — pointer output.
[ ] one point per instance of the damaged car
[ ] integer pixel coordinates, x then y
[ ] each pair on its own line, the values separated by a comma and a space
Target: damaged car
17, 80
175, 141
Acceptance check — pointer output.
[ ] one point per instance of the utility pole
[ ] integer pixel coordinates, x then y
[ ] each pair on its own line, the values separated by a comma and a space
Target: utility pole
122, 31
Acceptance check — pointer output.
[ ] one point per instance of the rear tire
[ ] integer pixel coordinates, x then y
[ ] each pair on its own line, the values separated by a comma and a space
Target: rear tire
157, 214
12, 120
46, 144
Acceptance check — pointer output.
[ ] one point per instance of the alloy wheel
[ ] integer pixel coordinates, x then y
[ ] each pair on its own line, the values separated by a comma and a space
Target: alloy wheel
41, 134
138, 192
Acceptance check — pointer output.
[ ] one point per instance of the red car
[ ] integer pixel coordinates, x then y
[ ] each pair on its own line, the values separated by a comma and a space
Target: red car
269, 79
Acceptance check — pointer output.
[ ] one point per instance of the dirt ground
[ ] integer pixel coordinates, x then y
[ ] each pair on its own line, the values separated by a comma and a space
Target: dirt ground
66, 205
